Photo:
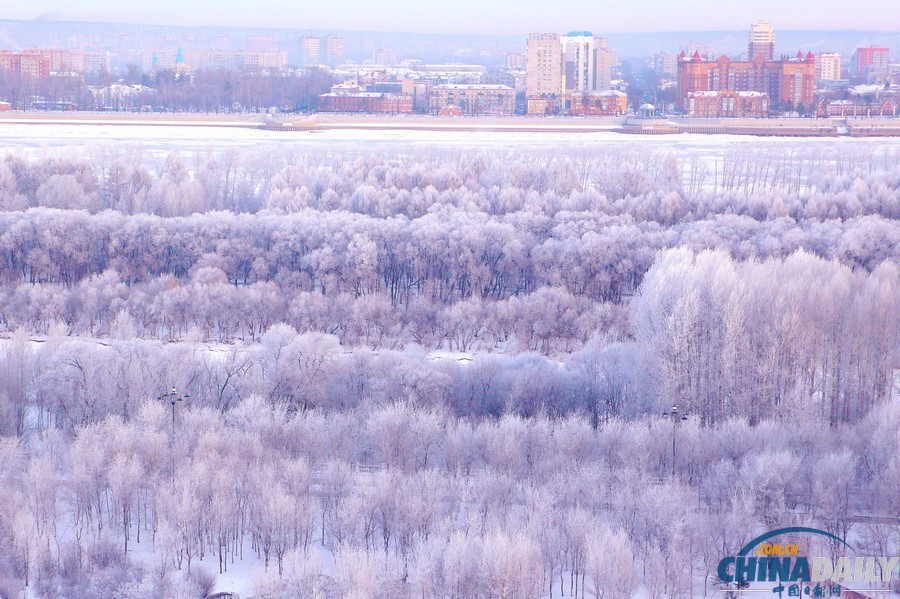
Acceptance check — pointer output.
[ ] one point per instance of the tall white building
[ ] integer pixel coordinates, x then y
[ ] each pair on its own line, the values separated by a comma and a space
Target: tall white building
309, 48
587, 61
557, 67
666, 64
160, 59
335, 48
578, 58
92, 61
543, 65
384, 56
762, 41
828, 66
604, 61
706, 52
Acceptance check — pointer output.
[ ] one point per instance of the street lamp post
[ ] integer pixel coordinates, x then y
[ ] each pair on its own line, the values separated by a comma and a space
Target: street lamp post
676, 419
173, 397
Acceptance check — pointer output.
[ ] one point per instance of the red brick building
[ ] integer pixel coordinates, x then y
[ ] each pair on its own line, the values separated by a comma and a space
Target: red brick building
728, 103
542, 105
797, 86
34, 63
366, 102
844, 108
612, 102
396, 104
31, 63
789, 83
8, 60
872, 62
41, 62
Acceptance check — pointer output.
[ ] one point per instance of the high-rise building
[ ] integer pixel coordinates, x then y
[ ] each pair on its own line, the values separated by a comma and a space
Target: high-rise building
604, 61
309, 48
797, 85
581, 62
160, 59
543, 65
558, 67
762, 41
666, 64
34, 63
89, 61
8, 60
335, 48
515, 60
871, 63
828, 66
705, 51
577, 56
60, 60
384, 56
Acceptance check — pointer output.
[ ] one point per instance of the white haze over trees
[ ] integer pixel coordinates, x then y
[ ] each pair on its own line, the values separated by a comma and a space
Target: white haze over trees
434, 373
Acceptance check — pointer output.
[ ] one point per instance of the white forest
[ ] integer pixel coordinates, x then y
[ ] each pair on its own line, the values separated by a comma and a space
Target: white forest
416, 370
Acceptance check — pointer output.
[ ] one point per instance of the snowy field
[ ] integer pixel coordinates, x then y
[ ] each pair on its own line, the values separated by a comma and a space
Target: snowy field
192, 137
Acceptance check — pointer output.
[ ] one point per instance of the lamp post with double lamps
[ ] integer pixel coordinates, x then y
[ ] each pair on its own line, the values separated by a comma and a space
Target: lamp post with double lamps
173, 397
676, 420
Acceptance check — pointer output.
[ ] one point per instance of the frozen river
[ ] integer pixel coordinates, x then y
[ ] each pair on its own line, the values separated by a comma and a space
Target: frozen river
40, 137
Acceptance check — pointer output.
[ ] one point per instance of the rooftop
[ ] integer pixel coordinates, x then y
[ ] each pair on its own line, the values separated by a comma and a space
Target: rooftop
484, 86
866, 89
353, 95
605, 93
715, 94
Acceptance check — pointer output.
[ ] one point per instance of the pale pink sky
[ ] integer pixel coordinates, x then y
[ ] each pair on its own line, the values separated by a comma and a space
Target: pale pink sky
477, 16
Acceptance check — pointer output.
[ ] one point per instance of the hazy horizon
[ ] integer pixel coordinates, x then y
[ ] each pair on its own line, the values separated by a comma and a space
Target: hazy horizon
471, 17
598, 31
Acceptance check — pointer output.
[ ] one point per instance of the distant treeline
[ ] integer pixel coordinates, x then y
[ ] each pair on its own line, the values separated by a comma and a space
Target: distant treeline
201, 91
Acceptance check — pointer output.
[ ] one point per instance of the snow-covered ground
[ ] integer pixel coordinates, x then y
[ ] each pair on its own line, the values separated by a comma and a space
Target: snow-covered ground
175, 136
239, 579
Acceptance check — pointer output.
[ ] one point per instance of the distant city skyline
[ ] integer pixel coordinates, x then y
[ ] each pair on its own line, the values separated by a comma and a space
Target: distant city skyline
473, 16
